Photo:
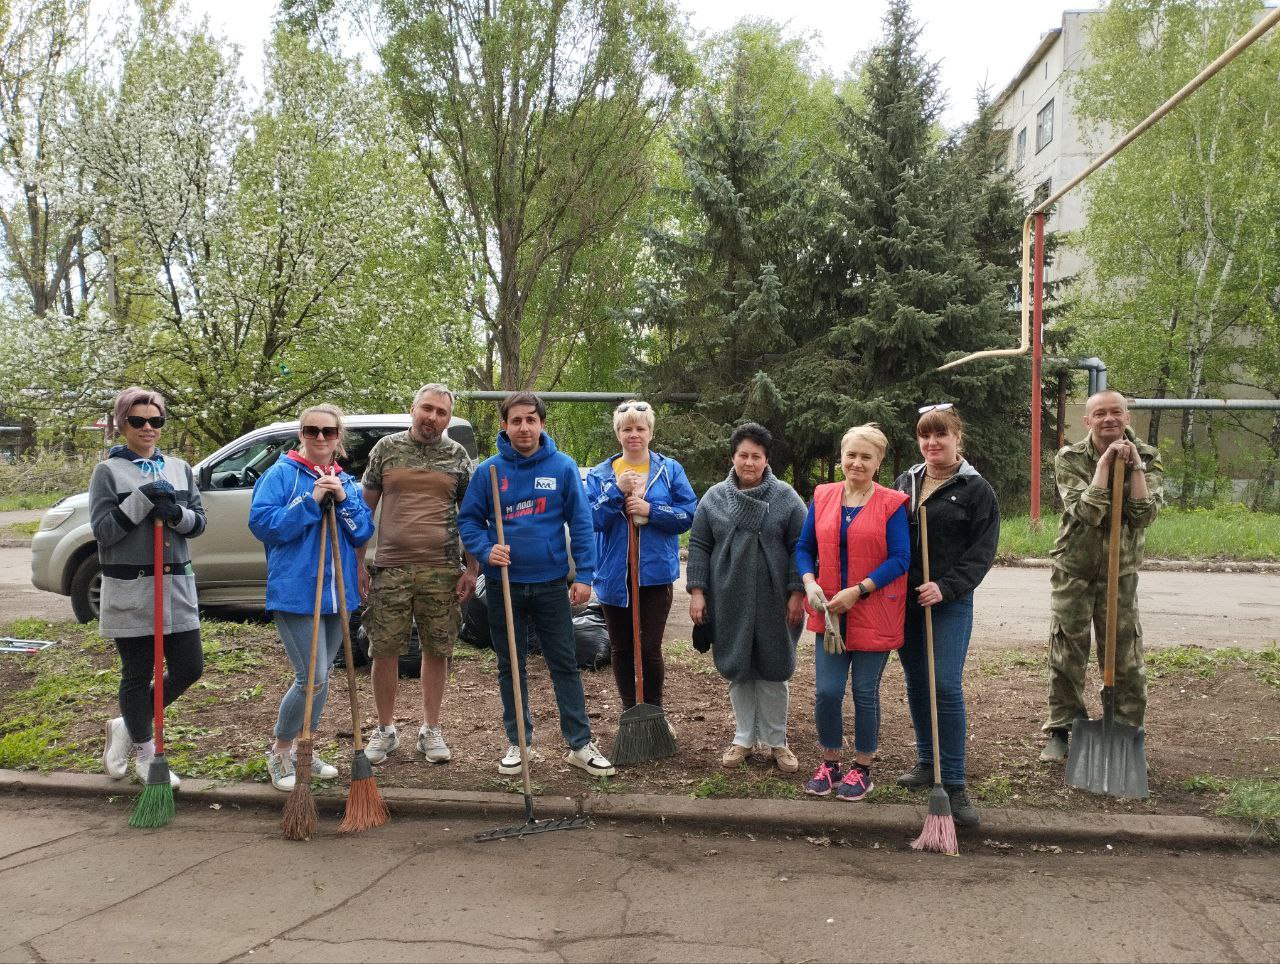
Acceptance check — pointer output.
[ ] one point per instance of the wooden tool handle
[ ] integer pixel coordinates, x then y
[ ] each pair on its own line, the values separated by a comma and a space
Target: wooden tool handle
514, 656
1113, 570
315, 632
331, 513
633, 575
928, 639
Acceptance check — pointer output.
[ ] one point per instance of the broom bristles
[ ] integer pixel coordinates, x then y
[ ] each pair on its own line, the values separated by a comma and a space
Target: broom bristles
155, 807
643, 739
365, 806
299, 819
939, 833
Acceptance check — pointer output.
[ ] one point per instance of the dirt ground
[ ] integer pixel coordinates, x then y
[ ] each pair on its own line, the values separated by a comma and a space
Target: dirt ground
1225, 724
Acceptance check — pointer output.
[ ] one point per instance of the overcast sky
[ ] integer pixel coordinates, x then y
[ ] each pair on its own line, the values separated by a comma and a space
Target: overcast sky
976, 43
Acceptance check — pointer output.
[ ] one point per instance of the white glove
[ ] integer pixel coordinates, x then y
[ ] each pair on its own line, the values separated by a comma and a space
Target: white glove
817, 598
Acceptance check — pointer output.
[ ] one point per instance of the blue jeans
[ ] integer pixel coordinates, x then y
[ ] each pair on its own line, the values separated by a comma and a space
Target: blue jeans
295, 633
546, 605
832, 674
952, 624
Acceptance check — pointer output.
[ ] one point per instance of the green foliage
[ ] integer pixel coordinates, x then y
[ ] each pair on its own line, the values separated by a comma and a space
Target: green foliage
1257, 802
768, 786
1181, 227
1208, 663
1226, 532
38, 480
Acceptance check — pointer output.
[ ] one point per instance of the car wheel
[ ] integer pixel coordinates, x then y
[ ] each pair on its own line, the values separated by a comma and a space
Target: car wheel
86, 589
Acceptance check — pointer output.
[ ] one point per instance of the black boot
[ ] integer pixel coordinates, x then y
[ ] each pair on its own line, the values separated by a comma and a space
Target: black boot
963, 811
918, 777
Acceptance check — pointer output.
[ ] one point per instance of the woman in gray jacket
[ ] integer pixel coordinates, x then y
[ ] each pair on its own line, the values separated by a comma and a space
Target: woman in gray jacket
742, 579
133, 486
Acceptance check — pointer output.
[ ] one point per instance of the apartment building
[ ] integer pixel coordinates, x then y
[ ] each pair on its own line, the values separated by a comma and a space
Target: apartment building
1046, 145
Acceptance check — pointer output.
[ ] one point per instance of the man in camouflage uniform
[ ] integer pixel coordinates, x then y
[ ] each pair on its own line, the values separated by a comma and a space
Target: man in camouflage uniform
1079, 578
419, 477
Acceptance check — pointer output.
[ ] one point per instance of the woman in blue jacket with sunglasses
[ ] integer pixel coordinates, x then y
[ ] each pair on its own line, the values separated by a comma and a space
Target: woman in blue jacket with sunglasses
654, 491
287, 516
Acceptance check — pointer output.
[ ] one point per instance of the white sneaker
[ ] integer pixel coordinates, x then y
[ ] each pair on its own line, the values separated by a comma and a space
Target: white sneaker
280, 768
382, 740
431, 744
590, 758
142, 770
321, 770
115, 755
509, 765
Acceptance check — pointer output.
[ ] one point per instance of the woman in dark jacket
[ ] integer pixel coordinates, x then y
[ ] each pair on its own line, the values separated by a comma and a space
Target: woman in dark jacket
964, 528
652, 490
130, 491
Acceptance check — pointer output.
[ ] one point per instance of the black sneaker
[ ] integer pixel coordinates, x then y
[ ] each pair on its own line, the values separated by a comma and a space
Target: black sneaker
963, 811
918, 777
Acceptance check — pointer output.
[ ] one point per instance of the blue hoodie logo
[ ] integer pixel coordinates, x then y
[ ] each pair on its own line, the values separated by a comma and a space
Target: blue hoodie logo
543, 482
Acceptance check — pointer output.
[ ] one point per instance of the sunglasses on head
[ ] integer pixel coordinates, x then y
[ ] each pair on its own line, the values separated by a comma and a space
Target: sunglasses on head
137, 421
940, 407
330, 432
633, 407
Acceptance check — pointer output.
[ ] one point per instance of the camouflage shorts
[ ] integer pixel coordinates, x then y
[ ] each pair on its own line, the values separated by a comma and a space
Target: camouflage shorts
400, 596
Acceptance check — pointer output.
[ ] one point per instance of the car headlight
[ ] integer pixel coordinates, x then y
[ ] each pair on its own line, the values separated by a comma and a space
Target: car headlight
54, 518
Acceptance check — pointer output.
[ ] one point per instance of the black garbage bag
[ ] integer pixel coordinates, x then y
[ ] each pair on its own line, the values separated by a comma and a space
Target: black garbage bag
591, 638
475, 619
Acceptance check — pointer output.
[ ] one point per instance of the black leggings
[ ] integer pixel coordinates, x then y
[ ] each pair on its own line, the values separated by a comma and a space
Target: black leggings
655, 605
183, 664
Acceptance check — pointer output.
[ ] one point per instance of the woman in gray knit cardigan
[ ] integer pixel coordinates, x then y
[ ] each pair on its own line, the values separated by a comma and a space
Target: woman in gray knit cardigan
742, 579
133, 486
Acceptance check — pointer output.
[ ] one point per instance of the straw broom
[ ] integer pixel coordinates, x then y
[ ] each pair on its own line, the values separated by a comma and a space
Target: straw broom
365, 808
299, 819
155, 807
939, 833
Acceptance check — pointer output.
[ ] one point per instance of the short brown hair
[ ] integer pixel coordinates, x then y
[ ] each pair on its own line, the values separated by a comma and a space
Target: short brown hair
135, 396
946, 421
523, 398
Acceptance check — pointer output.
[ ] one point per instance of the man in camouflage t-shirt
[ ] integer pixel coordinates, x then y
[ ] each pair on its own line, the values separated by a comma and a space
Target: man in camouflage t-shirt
1078, 581
419, 478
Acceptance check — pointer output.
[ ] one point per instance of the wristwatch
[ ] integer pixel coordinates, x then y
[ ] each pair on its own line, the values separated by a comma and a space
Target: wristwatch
863, 591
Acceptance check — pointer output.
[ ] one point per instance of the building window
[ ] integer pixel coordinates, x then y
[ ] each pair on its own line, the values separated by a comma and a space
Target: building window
1044, 126
1021, 154
1043, 190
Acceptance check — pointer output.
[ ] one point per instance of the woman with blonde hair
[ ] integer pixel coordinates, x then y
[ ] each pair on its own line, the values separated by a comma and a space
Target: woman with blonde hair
853, 556
287, 515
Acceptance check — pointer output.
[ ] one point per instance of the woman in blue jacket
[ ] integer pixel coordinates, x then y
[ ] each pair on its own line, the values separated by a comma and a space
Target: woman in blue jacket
286, 516
654, 491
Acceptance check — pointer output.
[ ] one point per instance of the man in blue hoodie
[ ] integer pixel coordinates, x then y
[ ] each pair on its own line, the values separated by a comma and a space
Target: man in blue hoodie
541, 491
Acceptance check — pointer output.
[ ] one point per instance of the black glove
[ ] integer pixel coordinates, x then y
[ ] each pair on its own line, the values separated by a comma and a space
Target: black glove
158, 491
166, 510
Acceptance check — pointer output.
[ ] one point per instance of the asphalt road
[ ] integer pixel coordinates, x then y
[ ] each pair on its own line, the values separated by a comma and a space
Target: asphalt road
1213, 609
224, 886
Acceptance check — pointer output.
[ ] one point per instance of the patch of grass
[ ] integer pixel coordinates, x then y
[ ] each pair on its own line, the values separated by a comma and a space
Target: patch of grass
1256, 802
21, 530
768, 786
892, 793
19, 501
681, 651
1205, 783
1229, 532
218, 765
249, 694
1208, 663
605, 785
995, 790
30, 748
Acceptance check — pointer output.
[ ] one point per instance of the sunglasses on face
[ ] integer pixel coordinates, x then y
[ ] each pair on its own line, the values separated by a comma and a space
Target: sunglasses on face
633, 407
137, 421
330, 432
940, 407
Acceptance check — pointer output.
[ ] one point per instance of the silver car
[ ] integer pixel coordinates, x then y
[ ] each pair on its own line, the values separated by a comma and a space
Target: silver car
230, 564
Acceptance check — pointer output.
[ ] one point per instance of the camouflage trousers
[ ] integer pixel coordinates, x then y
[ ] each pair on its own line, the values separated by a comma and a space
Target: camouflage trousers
1075, 605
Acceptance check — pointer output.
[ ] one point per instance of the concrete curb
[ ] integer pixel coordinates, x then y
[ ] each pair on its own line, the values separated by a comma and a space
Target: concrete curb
1163, 565
814, 817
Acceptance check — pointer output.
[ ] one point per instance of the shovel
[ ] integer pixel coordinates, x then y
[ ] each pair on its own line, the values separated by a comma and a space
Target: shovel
530, 825
1107, 756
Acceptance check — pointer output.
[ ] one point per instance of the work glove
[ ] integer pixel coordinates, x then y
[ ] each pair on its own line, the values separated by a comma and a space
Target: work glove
158, 491
817, 598
167, 510
832, 642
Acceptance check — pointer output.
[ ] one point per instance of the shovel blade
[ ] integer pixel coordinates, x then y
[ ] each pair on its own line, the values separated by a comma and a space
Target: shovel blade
1108, 757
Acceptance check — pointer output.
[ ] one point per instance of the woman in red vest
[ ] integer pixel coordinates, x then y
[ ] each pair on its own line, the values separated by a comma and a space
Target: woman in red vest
853, 556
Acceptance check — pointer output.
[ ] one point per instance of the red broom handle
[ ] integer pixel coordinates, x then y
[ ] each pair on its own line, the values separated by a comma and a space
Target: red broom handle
633, 575
157, 582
